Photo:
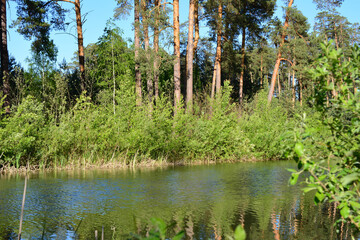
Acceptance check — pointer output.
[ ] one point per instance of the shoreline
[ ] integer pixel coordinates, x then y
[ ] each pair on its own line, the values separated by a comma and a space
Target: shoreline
148, 164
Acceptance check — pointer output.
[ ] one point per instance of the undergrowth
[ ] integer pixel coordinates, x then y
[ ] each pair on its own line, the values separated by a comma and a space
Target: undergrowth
92, 133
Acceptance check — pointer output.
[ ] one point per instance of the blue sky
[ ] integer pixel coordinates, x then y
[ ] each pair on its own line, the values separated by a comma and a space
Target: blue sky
97, 16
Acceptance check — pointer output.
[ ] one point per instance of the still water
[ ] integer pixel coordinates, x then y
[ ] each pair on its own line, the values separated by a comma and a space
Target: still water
207, 201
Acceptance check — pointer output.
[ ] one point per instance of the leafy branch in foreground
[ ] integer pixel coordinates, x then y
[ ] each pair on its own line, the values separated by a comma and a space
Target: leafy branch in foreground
159, 232
335, 173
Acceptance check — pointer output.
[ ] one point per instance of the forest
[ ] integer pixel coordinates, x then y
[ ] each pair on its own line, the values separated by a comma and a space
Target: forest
256, 88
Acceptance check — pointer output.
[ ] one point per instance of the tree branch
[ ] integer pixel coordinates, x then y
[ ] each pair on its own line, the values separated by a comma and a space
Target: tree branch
48, 2
284, 59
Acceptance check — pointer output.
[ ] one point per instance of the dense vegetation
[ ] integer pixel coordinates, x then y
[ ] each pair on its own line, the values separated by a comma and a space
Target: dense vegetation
122, 104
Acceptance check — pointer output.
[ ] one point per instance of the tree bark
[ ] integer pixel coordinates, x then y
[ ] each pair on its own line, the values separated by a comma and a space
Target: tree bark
213, 83
190, 57
149, 82
293, 88
300, 91
278, 57
261, 69
4, 57
279, 85
218, 49
156, 48
137, 47
242, 66
196, 19
80, 45
177, 90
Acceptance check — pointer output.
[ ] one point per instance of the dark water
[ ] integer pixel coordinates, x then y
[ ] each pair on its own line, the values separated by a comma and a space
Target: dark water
207, 201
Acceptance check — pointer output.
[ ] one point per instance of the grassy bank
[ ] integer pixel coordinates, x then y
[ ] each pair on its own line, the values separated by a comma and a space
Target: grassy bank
97, 134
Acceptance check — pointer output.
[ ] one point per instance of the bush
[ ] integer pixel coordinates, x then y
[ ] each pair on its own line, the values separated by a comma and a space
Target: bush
21, 136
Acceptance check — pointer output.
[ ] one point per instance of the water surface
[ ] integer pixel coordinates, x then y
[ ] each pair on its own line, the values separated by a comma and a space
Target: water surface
206, 201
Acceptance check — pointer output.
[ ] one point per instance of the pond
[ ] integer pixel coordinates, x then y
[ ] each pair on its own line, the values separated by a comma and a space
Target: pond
207, 201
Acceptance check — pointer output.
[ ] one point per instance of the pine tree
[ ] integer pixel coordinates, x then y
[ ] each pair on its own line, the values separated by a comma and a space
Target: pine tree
176, 25
190, 57
5, 79
279, 54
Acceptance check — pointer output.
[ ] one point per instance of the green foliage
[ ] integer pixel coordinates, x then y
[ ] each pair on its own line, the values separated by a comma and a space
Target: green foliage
267, 127
21, 135
335, 172
159, 232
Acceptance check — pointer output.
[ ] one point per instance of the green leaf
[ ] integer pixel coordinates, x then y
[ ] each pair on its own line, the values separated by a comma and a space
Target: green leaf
299, 149
319, 197
355, 205
308, 189
179, 235
322, 177
345, 211
294, 178
161, 225
350, 178
239, 233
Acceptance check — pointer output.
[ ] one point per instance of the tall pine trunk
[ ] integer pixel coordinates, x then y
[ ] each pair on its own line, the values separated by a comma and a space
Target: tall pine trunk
4, 57
261, 69
213, 83
218, 50
137, 47
241, 87
156, 48
278, 57
190, 57
293, 88
177, 90
149, 77
80, 45
196, 19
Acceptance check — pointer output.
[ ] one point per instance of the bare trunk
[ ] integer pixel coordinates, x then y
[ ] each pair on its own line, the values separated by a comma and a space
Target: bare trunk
289, 78
336, 37
156, 48
80, 45
213, 83
261, 69
149, 77
242, 66
113, 73
190, 57
274, 77
4, 57
328, 94
279, 85
278, 58
218, 49
196, 19
177, 90
137, 46
293, 88
300, 91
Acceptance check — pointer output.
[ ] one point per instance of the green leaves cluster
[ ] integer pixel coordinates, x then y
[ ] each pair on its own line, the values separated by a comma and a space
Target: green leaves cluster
335, 173
159, 232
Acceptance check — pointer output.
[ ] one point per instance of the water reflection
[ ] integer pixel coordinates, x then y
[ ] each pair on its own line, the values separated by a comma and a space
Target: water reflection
205, 201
